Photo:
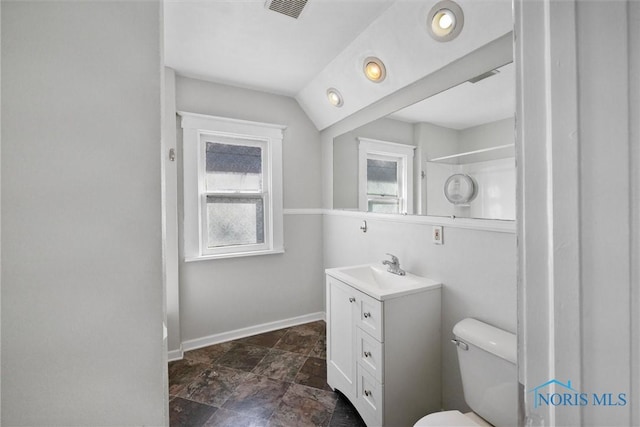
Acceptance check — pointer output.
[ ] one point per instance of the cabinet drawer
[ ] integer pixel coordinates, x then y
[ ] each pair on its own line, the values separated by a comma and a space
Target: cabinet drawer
370, 316
369, 397
370, 354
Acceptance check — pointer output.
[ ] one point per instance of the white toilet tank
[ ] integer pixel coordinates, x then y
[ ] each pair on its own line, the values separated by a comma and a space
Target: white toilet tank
487, 357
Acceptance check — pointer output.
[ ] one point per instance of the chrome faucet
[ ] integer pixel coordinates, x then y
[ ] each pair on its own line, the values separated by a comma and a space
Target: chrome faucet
394, 265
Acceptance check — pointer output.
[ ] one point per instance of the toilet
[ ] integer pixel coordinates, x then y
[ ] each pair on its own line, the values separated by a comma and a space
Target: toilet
487, 357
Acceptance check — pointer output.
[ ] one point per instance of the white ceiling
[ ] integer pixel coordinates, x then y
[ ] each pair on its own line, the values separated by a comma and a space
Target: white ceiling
241, 43
468, 104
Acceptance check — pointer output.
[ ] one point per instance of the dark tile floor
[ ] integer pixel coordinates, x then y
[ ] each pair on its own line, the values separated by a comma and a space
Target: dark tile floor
276, 379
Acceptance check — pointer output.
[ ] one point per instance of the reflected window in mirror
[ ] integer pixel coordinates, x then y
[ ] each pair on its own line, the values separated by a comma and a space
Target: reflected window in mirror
385, 176
383, 184
466, 129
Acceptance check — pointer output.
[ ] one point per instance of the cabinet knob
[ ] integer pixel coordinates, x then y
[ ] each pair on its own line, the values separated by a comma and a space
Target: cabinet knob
367, 354
352, 299
367, 315
367, 393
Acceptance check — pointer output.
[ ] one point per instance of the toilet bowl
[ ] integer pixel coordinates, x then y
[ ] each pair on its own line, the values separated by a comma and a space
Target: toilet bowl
452, 419
487, 361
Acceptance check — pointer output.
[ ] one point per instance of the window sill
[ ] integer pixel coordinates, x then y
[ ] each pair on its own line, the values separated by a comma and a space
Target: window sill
234, 255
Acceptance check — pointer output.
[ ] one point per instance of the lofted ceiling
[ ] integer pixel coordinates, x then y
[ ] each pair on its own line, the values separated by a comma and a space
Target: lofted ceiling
242, 43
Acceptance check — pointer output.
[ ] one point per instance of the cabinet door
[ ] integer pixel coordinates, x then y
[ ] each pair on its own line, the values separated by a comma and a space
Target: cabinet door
341, 302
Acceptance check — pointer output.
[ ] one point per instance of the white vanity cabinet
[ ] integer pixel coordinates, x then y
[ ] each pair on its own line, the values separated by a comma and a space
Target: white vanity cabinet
383, 350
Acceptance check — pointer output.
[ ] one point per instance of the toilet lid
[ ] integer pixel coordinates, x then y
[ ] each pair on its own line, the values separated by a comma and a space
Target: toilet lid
445, 418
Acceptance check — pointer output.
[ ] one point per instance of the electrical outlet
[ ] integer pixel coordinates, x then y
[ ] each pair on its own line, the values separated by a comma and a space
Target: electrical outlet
436, 235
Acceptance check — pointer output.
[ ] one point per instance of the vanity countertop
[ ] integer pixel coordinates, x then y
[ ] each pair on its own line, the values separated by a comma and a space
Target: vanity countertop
375, 281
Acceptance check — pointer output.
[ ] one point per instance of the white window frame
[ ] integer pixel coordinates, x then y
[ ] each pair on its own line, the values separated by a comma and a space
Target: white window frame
376, 149
197, 130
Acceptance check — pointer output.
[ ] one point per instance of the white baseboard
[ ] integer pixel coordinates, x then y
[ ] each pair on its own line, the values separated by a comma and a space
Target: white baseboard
175, 354
246, 332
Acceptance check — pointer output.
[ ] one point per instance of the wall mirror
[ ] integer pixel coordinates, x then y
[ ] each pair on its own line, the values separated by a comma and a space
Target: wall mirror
451, 154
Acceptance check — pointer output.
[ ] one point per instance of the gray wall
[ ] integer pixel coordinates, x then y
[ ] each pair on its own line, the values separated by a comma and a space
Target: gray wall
170, 212
477, 282
82, 301
223, 295
436, 141
501, 132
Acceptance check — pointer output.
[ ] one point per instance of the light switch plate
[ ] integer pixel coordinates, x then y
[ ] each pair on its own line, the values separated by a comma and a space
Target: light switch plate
436, 235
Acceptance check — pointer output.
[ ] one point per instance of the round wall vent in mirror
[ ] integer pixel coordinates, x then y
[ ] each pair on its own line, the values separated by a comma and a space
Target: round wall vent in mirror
460, 189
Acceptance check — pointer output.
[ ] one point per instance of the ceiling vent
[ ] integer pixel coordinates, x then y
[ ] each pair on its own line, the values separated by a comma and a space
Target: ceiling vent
291, 8
483, 76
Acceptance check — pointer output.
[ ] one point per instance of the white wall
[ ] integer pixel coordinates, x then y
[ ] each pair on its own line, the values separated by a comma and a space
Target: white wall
218, 296
82, 306
578, 211
496, 181
477, 282
604, 101
496, 189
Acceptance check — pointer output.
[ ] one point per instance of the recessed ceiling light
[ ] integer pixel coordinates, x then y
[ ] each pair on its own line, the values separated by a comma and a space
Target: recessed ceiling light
445, 21
334, 97
374, 69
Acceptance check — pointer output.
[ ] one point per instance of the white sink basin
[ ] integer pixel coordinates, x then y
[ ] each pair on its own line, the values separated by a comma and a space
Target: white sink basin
374, 280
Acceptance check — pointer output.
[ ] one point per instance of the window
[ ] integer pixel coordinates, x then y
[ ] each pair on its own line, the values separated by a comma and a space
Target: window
385, 177
232, 187
383, 184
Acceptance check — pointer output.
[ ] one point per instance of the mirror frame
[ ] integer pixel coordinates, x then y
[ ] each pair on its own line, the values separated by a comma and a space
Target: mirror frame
493, 55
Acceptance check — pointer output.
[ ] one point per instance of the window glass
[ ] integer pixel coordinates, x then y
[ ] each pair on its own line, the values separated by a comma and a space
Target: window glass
391, 206
234, 221
232, 167
383, 187
382, 177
